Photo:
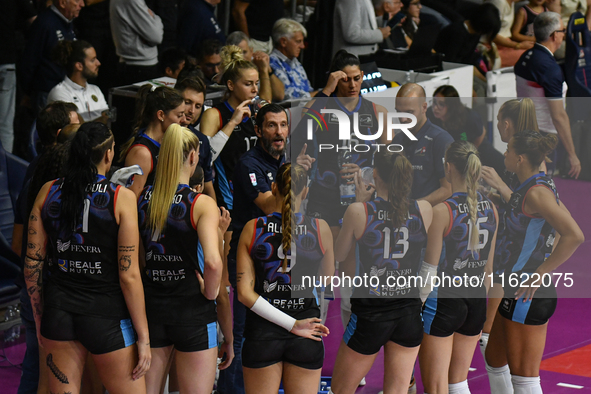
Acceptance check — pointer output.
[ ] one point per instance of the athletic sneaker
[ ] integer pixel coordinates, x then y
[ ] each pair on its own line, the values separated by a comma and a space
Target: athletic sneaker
363, 382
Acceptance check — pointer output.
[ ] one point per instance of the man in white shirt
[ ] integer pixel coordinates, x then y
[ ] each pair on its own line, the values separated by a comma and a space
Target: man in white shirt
81, 64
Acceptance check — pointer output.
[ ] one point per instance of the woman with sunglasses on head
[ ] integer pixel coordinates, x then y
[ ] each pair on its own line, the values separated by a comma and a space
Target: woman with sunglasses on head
86, 229
283, 334
389, 234
156, 109
455, 311
518, 333
183, 267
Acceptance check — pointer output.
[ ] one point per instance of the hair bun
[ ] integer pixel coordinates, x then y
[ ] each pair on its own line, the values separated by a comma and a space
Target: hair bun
230, 54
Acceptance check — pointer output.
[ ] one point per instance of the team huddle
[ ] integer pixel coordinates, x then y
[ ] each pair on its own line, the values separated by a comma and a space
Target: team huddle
136, 276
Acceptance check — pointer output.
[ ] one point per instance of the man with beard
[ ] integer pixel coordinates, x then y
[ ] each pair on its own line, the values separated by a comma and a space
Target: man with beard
81, 64
253, 175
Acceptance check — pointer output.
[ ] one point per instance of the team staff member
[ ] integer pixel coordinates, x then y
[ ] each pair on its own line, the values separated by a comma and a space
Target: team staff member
253, 176
81, 64
426, 154
390, 233
454, 316
519, 330
193, 92
179, 233
86, 228
157, 108
277, 346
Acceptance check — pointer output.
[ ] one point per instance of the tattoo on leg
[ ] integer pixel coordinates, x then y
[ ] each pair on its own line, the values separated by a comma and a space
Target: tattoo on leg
124, 262
55, 370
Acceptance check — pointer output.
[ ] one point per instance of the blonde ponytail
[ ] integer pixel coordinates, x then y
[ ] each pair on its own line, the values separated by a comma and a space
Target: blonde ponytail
177, 144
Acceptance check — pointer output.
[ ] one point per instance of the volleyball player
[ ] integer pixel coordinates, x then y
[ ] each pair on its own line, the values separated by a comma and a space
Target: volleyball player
86, 229
514, 116
454, 316
389, 233
156, 109
283, 334
180, 238
519, 330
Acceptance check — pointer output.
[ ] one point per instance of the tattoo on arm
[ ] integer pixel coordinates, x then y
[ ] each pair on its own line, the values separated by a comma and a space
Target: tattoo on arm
32, 231
32, 218
124, 262
55, 370
239, 276
126, 248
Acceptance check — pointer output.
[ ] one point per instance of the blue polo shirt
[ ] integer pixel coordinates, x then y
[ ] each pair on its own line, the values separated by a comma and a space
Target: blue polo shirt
204, 154
426, 156
538, 66
197, 22
253, 174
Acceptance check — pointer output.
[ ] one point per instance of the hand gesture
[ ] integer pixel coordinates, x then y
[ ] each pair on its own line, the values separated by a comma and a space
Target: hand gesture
226, 348
333, 80
385, 31
144, 359
491, 177
305, 160
348, 171
310, 328
225, 219
261, 60
241, 112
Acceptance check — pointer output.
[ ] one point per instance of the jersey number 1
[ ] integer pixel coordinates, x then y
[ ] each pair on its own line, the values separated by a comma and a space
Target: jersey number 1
481, 232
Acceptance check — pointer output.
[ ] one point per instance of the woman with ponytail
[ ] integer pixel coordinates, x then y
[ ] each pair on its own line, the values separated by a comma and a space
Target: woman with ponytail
283, 334
156, 109
183, 268
519, 330
86, 228
389, 233
465, 226
514, 116
229, 125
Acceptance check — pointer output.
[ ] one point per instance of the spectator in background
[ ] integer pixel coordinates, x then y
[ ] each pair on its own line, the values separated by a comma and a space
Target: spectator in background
136, 32
539, 77
197, 23
463, 123
256, 19
523, 26
11, 17
388, 14
509, 50
38, 72
356, 29
273, 88
171, 62
210, 60
459, 42
193, 92
288, 39
81, 64
168, 11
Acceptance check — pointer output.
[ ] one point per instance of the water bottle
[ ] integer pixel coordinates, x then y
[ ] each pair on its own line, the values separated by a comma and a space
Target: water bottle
346, 190
367, 176
256, 104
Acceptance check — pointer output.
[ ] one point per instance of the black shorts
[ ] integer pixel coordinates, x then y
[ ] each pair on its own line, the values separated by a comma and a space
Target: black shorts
332, 213
184, 338
367, 337
534, 312
301, 352
443, 316
99, 335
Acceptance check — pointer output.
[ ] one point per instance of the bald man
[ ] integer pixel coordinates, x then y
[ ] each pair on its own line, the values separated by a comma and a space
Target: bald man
428, 152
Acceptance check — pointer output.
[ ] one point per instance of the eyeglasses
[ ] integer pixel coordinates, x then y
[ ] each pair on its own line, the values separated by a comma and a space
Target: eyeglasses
560, 31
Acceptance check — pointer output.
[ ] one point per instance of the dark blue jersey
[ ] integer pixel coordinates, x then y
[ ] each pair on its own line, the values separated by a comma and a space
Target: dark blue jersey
153, 146
83, 270
242, 139
172, 291
273, 283
388, 252
532, 237
459, 259
503, 240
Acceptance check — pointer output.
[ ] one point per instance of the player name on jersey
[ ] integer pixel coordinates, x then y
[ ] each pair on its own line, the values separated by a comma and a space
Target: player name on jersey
481, 206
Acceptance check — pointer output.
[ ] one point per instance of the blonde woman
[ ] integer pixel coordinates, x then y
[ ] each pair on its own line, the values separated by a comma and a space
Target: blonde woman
466, 226
183, 267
